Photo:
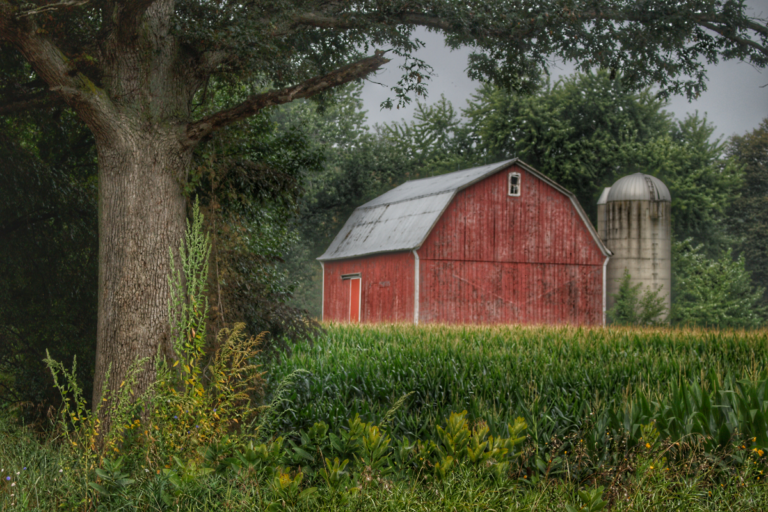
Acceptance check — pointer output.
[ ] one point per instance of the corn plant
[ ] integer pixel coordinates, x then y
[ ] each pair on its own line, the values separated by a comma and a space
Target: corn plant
584, 391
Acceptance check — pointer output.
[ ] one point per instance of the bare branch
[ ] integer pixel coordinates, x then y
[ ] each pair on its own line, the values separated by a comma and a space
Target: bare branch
254, 104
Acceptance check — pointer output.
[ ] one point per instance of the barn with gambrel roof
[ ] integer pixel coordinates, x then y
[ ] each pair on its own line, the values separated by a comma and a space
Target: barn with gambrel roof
501, 243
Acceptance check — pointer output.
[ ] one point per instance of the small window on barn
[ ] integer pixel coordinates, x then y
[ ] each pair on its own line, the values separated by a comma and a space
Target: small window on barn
514, 184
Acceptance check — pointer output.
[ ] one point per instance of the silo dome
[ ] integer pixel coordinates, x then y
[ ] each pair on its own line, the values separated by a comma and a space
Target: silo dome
639, 187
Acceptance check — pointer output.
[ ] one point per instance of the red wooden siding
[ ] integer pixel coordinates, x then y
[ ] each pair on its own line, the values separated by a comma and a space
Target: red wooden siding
493, 258
497, 292
483, 223
386, 288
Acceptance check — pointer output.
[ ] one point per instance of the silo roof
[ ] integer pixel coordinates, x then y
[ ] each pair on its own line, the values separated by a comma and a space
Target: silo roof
401, 219
604, 196
639, 187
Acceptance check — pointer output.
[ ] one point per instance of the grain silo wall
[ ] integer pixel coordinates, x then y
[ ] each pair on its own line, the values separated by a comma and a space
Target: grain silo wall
639, 235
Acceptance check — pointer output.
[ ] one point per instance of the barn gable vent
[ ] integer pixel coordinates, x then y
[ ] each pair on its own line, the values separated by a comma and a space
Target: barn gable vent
513, 184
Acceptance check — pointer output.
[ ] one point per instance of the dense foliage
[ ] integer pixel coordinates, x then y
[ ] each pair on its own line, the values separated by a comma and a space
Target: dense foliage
748, 213
714, 292
251, 178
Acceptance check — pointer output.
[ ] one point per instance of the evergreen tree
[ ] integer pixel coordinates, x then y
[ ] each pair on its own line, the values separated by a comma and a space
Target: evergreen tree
625, 310
714, 292
635, 307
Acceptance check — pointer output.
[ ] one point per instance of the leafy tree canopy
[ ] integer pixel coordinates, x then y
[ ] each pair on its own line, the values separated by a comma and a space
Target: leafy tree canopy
651, 42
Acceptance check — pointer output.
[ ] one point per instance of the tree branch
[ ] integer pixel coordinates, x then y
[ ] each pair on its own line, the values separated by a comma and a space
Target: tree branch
714, 28
752, 25
254, 104
210, 61
59, 73
6, 15
348, 22
51, 7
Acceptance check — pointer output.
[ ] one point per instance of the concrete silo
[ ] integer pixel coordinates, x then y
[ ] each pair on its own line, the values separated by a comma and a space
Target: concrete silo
633, 219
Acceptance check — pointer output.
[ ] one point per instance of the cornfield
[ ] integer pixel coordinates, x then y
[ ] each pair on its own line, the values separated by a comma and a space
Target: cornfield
592, 387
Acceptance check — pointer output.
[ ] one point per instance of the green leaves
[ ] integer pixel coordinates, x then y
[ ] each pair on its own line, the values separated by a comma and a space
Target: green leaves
635, 306
287, 489
591, 501
185, 473
714, 292
747, 213
458, 445
113, 481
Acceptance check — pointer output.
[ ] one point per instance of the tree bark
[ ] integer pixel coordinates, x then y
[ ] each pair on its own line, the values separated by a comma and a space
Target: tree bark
142, 213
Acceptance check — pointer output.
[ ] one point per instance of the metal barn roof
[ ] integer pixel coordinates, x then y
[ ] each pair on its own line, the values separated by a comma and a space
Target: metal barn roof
639, 187
401, 219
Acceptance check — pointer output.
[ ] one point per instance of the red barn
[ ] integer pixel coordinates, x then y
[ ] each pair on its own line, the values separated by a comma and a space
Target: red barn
501, 243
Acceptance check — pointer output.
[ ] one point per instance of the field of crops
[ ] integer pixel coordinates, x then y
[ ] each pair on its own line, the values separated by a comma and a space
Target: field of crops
597, 385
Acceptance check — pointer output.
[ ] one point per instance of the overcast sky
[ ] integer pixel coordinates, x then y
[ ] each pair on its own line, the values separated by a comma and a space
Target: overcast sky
734, 101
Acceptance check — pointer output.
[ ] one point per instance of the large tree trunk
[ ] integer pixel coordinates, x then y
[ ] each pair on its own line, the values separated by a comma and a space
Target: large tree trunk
142, 214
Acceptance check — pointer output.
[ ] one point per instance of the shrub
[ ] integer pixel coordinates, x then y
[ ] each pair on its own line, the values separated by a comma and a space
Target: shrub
633, 307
